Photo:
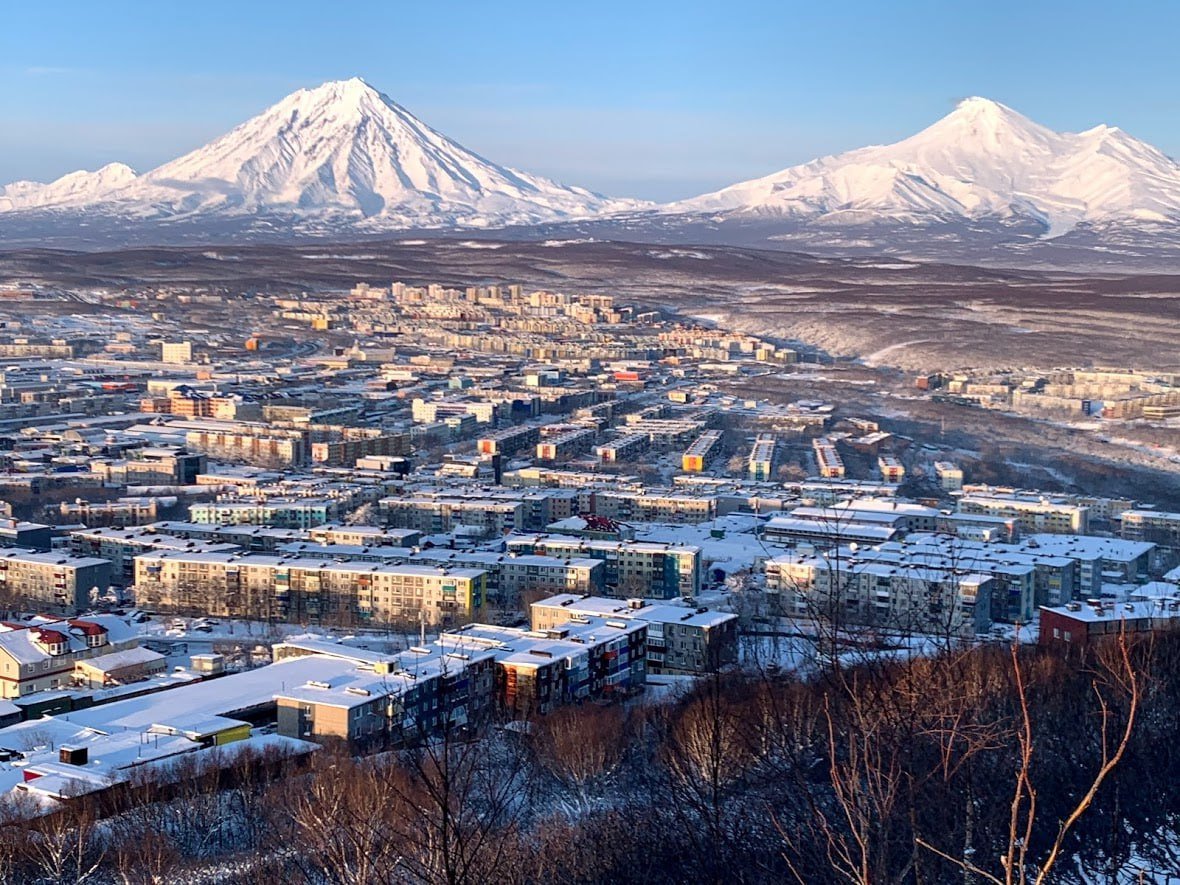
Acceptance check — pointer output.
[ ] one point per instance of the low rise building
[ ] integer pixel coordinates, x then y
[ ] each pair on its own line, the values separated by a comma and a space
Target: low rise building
45, 655
1079, 623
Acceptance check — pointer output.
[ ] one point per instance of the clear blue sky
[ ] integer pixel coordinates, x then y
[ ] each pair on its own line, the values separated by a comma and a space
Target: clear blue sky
640, 98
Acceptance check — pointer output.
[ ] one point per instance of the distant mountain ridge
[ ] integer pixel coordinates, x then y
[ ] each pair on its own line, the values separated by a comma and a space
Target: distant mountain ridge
983, 160
344, 160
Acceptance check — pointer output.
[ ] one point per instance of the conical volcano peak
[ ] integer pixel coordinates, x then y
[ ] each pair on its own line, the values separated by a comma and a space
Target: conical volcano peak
342, 151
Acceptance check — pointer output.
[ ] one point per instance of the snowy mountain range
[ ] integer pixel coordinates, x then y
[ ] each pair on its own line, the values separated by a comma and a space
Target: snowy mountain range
344, 159
341, 151
983, 160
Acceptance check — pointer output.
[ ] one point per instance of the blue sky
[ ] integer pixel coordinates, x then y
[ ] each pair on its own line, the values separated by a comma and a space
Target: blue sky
651, 99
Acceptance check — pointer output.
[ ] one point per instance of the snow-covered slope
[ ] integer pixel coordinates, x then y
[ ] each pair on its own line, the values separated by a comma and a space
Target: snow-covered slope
983, 160
76, 189
341, 151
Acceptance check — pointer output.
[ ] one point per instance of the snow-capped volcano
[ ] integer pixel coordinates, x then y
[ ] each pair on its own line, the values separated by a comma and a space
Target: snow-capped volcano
341, 151
983, 160
76, 189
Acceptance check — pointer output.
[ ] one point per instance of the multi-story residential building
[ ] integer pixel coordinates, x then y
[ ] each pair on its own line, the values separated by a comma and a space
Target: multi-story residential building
512, 575
122, 512
761, 462
703, 450
1025, 577
385, 700
300, 513
633, 568
265, 587
623, 448
892, 470
1117, 560
29, 535
791, 530
364, 535
626, 506
509, 441
1035, 513
154, 467
261, 444
680, 639
257, 539
566, 445
885, 595
434, 515
176, 351
53, 581
121, 545
827, 459
950, 476
1157, 526
359, 443
573, 662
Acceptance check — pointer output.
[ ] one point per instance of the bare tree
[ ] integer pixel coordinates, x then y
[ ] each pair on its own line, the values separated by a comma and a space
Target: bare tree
1117, 682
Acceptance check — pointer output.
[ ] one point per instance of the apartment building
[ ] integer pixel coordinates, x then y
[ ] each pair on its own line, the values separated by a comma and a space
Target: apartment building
364, 535
950, 476
623, 448
121, 545
760, 466
890, 596
680, 639
260, 445
154, 467
828, 460
53, 581
29, 535
1157, 526
626, 506
434, 515
264, 586
512, 575
300, 513
385, 700
633, 568
176, 351
566, 445
1117, 560
892, 470
1034, 513
257, 539
509, 441
1025, 578
704, 449
536, 672
359, 443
